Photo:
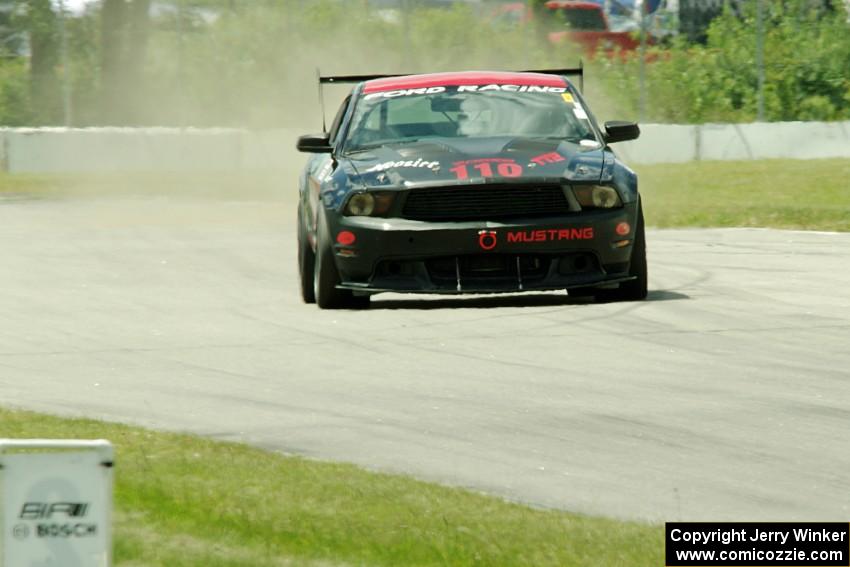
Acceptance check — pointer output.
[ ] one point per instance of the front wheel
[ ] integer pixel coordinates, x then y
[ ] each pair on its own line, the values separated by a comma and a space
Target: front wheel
636, 289
306, 263
326, 278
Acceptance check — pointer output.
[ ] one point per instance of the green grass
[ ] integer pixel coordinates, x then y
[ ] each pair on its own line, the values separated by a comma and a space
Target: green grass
229, 185
28, 184
188, 501
802, 194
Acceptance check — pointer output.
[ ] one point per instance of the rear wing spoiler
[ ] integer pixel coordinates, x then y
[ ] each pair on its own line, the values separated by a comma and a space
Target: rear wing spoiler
349, 79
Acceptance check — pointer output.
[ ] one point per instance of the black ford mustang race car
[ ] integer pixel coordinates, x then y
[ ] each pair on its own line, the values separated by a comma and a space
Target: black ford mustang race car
473, 182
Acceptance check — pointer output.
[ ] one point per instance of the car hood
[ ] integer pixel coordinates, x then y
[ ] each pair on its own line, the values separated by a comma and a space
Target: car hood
444, 161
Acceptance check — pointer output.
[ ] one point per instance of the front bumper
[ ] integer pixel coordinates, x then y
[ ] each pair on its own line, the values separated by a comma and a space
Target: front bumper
397, 255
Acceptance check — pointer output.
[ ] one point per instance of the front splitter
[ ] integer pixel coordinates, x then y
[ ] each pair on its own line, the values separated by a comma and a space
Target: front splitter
366, 288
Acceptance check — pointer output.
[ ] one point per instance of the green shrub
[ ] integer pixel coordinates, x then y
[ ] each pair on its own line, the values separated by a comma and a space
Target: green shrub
806, 61
15, 109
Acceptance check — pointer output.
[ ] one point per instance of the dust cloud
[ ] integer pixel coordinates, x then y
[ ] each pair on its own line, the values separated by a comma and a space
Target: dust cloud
250, 70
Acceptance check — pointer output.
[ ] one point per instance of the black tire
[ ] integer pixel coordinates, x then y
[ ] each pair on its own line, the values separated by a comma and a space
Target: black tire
306, 263
636, 289
326, 278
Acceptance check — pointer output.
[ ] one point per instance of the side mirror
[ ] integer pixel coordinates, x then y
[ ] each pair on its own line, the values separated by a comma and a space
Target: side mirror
620, 131
315, 143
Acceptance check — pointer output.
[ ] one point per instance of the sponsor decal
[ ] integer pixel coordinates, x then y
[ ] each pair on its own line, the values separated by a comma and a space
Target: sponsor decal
55, 520
21, 531
406, 92
550, 235
466, 78
468, 89
579, 112
326, 172
568, 98
510, 89
487, 167
487, 239
419, 163
66, 530
45, 511
551, 157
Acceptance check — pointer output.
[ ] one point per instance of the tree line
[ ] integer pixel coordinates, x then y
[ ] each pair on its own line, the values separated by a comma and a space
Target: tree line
252, 63
797, 50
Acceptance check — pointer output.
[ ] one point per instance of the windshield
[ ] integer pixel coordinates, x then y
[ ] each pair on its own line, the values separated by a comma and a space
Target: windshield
484, 111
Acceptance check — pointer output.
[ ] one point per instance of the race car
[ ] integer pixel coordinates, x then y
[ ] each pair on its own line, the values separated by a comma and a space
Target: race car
468, 182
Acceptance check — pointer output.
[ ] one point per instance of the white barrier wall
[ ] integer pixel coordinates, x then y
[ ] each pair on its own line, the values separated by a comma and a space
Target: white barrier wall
667, 143
661, 143
54, 150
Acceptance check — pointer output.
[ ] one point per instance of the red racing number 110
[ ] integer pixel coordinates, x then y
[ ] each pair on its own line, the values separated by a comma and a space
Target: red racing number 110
503, 169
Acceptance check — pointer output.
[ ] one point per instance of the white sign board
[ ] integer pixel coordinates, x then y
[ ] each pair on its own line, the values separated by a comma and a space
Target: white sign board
56, 503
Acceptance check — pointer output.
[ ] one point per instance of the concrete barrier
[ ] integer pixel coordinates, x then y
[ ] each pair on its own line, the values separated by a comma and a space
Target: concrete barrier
61, 150
802, 140
661, 143
97, 150
669, 143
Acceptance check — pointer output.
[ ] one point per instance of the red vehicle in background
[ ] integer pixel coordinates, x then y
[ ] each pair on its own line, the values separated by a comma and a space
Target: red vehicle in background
580, 22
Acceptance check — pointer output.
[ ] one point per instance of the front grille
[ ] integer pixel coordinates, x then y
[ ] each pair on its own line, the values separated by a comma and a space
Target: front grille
485, 202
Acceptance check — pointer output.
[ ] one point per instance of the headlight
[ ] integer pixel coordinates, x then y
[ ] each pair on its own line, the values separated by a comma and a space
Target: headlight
369, 204
605, 197
597, 196
361, 205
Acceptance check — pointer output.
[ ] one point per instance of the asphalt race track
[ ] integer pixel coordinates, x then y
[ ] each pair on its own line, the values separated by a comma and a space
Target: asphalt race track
726, 395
